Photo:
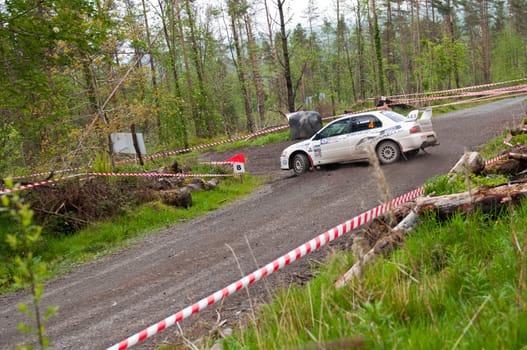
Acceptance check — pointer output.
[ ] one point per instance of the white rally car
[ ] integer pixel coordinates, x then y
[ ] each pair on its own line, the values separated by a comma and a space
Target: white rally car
348, 139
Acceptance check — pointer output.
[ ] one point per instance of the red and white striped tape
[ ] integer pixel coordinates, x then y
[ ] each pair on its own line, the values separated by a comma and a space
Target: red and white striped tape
274, 266
268, 269
111, 174
495, 92
45, 182
448, 91
48, 173
157, 175
405, 98
35, 184
208, 145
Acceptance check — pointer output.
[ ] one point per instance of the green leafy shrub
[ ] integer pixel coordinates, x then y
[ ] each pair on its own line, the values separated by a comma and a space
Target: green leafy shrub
25, 268
102, 163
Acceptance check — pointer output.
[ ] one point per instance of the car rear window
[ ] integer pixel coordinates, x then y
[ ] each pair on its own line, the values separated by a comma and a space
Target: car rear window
396, 117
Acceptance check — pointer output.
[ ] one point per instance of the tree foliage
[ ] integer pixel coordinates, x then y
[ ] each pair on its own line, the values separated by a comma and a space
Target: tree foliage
74, 71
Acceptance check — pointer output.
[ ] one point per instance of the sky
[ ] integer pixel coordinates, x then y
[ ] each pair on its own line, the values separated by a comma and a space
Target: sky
298, 9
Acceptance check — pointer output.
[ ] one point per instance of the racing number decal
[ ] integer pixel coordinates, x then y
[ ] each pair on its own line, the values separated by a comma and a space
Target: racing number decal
238, 168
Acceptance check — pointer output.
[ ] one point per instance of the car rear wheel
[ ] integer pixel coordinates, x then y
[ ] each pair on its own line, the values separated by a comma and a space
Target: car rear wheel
300, 163
388, 152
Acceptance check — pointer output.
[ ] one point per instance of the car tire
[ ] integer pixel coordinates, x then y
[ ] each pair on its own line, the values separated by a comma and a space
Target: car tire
388, 152
300, 164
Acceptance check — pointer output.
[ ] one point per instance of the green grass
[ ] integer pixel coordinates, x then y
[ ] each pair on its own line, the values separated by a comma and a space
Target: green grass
277, 136
456, 183
62, 253
454, 284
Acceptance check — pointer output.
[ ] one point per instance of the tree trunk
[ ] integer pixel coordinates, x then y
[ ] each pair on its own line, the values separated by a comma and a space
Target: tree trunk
360, 53
485, 40
403, 33
286, 62
376, 35
196, 117
201, 100
390, 51
240, 65
350, 66
340, 45
257, 77
170, 32
275, 79
152, 69
486, 199
452, 35
416, 30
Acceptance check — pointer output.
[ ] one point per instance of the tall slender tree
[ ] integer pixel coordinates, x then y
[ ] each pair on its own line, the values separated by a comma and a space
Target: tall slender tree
235, 11
170, 30
255, 68
286, 64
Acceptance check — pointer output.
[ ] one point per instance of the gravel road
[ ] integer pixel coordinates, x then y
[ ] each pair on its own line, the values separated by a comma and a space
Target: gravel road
104, 302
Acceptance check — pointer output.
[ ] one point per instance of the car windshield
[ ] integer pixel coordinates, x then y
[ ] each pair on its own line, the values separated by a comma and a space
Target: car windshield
396, 117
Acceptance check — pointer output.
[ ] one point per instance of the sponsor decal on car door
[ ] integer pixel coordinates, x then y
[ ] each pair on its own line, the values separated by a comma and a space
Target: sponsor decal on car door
334, 143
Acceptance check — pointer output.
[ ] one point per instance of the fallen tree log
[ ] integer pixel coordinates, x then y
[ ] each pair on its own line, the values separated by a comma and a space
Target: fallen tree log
484, 198
521, 130
471, 162
518, 155
383, 245
504, 167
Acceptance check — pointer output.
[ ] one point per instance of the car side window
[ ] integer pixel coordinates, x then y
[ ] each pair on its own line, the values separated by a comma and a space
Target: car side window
340, 127
365, 122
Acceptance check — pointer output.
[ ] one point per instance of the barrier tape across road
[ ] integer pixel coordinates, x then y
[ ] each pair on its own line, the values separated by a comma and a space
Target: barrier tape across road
293, 255
449, 91
268, 269
408, 98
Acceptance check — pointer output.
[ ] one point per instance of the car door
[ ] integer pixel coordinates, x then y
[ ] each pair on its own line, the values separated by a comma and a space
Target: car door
332, 144
364, 129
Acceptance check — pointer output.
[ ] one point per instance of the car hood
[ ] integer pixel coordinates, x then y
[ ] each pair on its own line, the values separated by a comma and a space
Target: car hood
302, 145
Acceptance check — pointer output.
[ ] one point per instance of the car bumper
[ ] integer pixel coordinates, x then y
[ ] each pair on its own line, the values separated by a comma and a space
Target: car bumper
284, 163
416, 141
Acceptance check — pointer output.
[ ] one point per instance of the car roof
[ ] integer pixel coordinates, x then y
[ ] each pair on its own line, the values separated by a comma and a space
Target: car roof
380, 114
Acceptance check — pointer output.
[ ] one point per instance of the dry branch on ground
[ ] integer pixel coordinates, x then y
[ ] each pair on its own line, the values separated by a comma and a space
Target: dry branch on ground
484, 198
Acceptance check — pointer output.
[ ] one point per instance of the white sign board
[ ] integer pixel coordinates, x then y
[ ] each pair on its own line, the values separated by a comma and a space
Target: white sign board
123, 142
239, 168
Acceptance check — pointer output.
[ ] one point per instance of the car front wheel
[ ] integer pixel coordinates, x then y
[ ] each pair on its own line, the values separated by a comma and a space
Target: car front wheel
300, 164
388, 152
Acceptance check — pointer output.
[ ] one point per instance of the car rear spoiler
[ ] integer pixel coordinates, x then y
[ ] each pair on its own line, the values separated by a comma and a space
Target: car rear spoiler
414, 115
427, 114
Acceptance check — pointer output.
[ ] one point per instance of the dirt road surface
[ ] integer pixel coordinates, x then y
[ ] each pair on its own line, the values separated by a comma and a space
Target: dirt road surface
104, 302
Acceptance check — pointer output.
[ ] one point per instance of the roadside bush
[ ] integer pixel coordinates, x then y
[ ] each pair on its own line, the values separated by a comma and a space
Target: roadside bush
69, 206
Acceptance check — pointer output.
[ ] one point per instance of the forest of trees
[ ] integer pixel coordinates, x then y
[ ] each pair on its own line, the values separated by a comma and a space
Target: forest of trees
73, 71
